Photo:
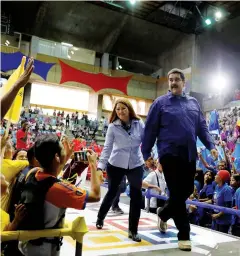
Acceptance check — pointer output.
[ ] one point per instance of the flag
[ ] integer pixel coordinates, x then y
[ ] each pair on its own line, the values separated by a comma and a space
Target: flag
237, 164
236, 152
213, 123
14, 112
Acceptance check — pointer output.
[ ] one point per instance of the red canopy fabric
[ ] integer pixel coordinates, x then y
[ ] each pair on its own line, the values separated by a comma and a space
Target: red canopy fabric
96, 81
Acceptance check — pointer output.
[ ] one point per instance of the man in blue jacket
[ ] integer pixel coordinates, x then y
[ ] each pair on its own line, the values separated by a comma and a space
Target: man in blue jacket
175, 120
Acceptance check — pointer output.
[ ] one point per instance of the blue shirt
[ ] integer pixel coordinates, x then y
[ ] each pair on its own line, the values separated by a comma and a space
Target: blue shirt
222, 197
122, 148
175, 122
237, 204
206, 192
198, 185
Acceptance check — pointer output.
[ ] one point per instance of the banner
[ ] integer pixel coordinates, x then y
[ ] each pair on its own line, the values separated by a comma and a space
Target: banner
14, 112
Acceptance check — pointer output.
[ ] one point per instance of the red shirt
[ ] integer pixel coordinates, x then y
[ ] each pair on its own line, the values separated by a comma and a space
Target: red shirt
20, 143
76, 145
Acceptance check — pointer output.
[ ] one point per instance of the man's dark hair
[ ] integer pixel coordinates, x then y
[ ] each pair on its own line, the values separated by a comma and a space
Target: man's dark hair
30, 154
46, 146
23, 122
177, 71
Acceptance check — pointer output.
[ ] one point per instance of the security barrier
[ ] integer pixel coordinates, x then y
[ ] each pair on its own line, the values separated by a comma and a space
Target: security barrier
226, 210
76, 229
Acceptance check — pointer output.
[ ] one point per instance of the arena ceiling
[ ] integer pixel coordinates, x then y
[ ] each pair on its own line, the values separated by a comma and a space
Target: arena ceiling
136, 32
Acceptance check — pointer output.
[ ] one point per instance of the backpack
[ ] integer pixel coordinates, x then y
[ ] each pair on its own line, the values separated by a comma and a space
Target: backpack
17, 191
33, 197
31, 193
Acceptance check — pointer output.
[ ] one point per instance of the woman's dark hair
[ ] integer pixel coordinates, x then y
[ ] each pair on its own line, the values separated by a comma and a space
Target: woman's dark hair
127, 103
199, 177
46, 147
16, 153
209, 181
237, 178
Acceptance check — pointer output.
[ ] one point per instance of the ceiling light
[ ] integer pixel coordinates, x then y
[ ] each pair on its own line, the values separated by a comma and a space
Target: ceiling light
218, 15
69, 56
116, 67
7, 41
120, 67
132, 1
67, 44
208, 22
72, 52
6, 44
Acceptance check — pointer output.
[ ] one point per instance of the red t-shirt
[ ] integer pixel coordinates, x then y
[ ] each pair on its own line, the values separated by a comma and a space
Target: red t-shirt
76, 145
21, 144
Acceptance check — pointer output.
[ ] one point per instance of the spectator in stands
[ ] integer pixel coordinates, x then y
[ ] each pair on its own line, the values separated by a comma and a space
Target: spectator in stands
22, 135
222, 197
20, 210
149, 167
19, 183
177, 149
10, 169
20, 154
52, 155
76, 144
8, 98
76, 117
155, 180
67, 120
236, 222
192, 209
235, 183
198, 180
122, 156
105, 126
206, 195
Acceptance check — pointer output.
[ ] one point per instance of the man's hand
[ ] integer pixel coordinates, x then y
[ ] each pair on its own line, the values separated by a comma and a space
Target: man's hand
20, 212
214, 154
158, 189
92, 157
215, 216
100, 176
4, 140
24, 78
68, 146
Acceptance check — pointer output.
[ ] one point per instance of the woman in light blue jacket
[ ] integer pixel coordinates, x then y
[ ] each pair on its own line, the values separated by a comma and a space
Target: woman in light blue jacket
122, 156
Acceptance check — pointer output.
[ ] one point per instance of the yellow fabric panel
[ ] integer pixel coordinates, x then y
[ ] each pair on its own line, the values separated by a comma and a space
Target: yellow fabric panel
10, 168
5, 219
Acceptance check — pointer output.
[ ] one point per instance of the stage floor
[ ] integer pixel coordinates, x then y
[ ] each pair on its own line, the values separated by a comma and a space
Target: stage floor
113, 238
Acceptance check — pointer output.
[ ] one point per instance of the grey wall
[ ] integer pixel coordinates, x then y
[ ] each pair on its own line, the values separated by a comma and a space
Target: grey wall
216, 51
180, 54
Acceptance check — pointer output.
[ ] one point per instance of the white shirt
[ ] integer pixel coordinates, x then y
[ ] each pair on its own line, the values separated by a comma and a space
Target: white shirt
152, 179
